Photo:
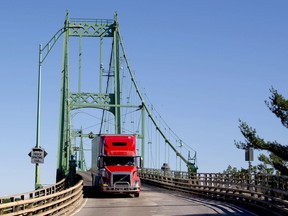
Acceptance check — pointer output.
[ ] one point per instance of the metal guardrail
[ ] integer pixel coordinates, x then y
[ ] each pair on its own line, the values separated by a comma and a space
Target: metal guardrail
49, 201
269, 192
34, 194
262, 191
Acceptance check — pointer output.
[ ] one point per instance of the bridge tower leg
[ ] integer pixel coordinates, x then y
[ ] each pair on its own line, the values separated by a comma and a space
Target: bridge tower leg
116, 78
64, 120
75, 100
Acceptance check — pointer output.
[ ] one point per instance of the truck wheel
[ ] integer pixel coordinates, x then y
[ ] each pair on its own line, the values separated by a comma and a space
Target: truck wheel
137, 195
96, 184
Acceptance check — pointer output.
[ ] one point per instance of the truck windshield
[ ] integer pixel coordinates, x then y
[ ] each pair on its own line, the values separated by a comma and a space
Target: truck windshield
114, 161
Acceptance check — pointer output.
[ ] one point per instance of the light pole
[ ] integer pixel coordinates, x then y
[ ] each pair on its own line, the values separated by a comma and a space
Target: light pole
43, 53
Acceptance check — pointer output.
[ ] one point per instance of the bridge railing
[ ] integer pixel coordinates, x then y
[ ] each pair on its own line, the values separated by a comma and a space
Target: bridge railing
47, 201
34, 194
264, 191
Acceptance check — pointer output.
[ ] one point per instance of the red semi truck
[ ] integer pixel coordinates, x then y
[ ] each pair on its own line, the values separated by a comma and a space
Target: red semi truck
115, 164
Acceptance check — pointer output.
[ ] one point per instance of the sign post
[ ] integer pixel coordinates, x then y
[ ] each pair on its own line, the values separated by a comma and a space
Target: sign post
37, 155
249, 156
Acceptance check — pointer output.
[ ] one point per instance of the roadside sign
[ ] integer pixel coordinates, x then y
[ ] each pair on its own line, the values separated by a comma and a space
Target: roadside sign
37, 155
249, 154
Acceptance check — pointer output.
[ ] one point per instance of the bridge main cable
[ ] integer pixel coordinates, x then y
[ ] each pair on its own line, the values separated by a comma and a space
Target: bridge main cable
191, 166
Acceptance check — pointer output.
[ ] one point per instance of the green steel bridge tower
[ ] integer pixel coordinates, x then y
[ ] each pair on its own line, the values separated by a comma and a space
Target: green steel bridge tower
107, 100
75, 100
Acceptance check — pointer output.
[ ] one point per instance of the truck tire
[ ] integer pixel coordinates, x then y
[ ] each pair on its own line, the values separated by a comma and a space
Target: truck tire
96, 185
136, 195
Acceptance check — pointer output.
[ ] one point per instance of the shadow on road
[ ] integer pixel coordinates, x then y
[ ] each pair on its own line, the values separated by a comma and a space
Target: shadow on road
91, 192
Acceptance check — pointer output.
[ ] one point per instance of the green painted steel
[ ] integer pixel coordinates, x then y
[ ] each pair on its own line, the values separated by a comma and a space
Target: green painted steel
77, 100
43, 53
103, 99
116, 77
191, 161
37, 167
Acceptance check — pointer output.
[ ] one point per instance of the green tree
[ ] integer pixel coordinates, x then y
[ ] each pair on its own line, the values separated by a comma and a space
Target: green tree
234, 171
230, 170
278, 153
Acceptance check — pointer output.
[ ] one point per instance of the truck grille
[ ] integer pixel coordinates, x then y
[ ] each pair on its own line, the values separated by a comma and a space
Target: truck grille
121, 179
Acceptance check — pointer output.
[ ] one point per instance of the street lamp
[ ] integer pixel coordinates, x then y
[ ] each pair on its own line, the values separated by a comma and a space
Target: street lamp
43, 53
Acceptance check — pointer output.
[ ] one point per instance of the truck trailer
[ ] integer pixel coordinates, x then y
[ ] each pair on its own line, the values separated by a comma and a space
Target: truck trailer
115, 164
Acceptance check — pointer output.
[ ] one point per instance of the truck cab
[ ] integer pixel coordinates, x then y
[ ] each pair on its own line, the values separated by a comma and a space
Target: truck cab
117, 164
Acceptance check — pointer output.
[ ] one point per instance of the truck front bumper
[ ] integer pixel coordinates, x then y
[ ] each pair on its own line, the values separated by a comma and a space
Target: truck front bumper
120, 189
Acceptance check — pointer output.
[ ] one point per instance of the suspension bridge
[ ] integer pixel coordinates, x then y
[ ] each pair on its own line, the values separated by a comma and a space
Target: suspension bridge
100, 95
107, 92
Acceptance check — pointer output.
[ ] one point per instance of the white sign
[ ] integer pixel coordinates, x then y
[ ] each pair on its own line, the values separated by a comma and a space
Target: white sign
37, 155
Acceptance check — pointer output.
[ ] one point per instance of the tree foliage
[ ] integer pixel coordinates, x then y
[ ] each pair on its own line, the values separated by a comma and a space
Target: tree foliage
278, 153
279, 106
261, 168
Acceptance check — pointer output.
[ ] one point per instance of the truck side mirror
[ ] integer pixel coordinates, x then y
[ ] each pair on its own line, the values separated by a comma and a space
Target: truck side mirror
139, 160
100, 162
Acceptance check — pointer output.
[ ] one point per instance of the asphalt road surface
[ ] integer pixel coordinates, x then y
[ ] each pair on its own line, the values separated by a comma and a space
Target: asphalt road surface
154, 201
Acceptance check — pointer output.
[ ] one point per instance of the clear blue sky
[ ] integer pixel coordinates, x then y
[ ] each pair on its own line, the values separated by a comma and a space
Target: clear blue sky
204, 64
